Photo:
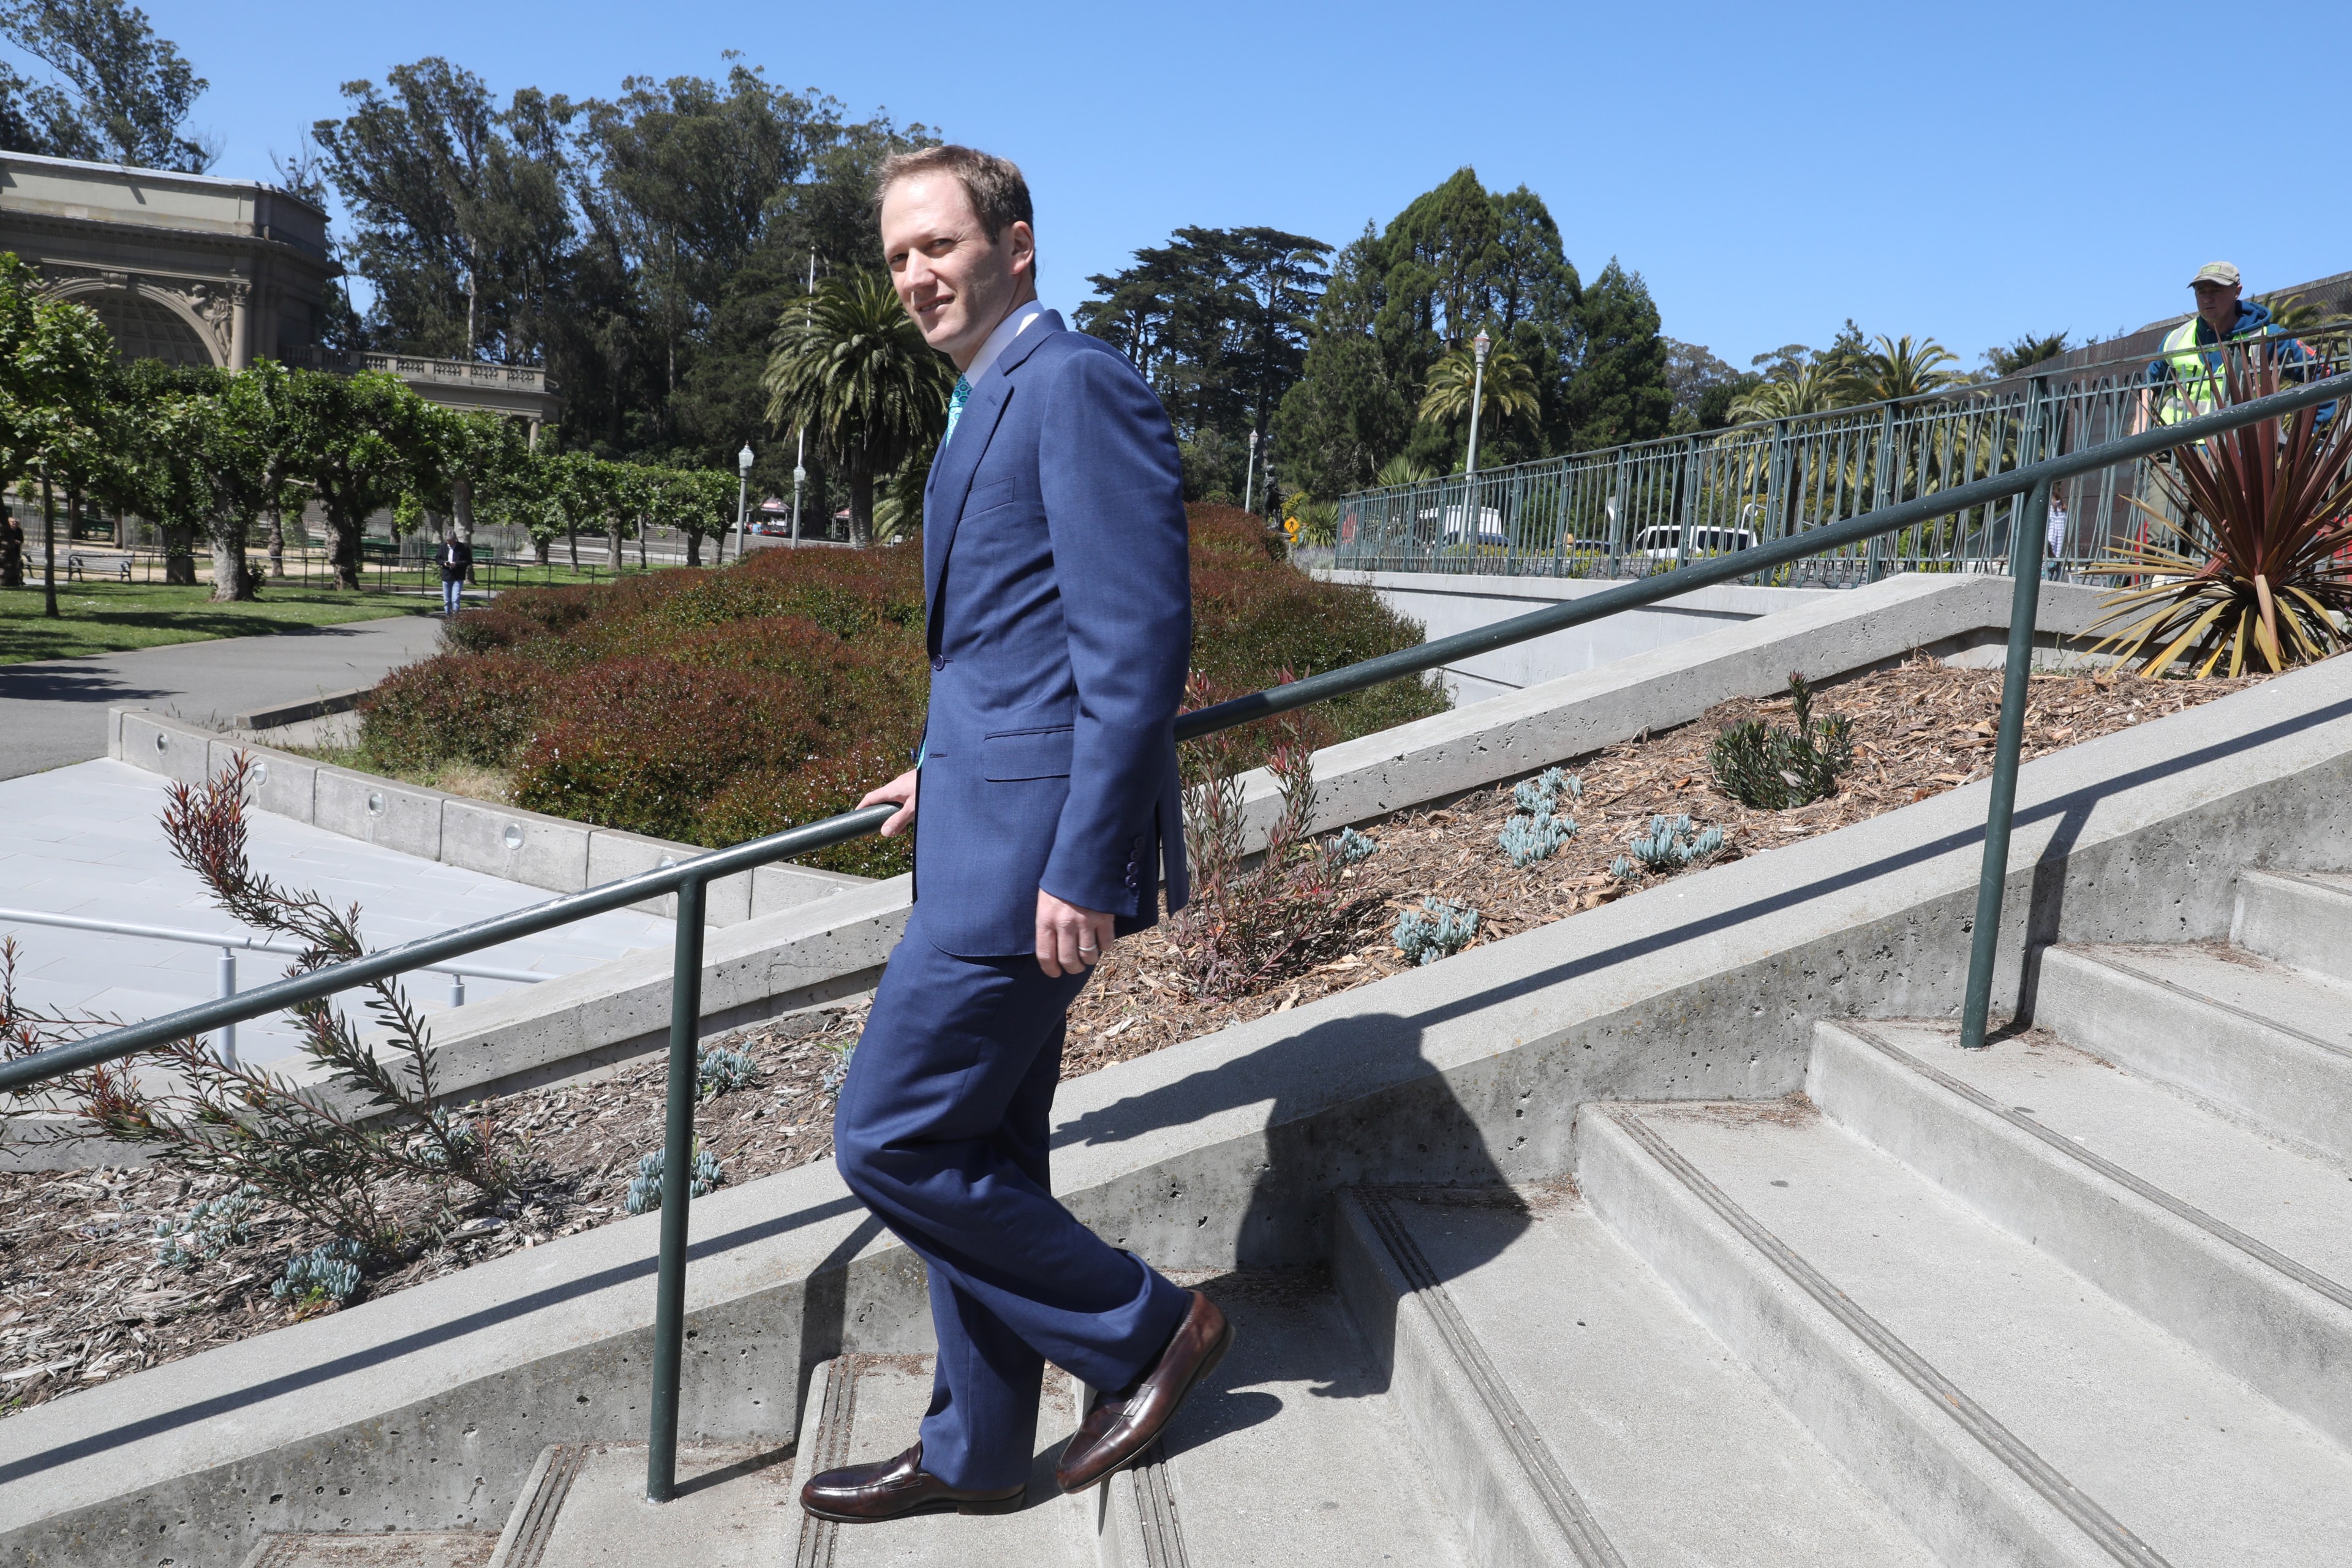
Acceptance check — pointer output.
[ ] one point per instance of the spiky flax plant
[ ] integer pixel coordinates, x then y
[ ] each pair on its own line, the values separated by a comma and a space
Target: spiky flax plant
2249, 569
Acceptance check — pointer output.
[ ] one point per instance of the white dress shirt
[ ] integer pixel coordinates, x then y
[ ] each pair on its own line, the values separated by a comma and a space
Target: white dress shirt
1007, 329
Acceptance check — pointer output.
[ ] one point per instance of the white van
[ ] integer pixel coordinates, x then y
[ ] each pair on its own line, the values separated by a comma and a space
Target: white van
1661, 543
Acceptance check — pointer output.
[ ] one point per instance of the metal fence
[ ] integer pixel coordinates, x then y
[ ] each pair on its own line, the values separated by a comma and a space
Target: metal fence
1652, 506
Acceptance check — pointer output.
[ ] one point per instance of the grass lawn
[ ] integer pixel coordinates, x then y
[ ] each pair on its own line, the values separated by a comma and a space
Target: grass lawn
108, 617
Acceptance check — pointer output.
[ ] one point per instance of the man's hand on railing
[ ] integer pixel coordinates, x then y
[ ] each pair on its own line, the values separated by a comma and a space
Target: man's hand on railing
900, 792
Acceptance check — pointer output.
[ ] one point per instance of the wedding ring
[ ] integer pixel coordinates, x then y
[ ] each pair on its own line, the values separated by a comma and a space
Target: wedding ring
1084, 948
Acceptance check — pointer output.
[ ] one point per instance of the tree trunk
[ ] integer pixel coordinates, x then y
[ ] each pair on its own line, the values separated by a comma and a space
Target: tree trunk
540, 542
612, 545
641, 542
277, 545
861, 505
571, 542
693, 549
344, 546
48, 549
179, 556
230, 581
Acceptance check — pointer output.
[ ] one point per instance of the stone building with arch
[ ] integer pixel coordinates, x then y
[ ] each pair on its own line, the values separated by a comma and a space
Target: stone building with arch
195, 270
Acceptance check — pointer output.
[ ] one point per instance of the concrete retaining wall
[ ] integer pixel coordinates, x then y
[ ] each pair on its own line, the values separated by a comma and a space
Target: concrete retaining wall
526, 846
426, 1409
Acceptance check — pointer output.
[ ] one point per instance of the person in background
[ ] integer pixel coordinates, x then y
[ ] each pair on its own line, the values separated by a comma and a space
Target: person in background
11, 553
456, 558
2053, 566
2189, 375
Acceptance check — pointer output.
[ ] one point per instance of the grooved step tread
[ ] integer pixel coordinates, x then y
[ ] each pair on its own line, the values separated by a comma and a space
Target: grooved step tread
394, 1548
733, 1509
1682, 1455
2269, 1190
867, 1407
1291, 1455
2296, 1000
2190, 1459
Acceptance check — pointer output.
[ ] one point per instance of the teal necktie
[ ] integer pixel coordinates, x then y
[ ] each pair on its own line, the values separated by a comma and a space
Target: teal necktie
956, 400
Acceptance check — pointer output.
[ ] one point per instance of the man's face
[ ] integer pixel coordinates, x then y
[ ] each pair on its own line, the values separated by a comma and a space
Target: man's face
954, 281
2217, 302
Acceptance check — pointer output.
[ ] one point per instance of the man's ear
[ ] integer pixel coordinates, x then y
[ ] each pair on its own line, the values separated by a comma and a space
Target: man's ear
1022, 241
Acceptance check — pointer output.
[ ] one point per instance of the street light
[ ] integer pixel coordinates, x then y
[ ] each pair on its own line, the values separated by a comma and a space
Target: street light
1249, 482
743, 500
1478, 347
1470, 518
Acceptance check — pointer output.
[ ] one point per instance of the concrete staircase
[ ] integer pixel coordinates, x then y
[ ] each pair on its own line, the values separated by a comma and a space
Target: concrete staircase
2080, 1298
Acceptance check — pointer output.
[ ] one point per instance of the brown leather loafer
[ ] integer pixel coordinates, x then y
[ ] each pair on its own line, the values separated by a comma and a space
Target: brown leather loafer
892, 1489
1121, 1426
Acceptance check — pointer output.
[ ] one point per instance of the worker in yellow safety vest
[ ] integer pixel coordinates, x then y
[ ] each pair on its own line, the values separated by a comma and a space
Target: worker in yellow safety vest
2190, 375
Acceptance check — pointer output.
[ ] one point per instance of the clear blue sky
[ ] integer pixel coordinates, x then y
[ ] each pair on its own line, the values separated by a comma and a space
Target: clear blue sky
1967, 171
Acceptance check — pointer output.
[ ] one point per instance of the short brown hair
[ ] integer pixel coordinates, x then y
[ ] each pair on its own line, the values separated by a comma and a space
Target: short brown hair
999, 195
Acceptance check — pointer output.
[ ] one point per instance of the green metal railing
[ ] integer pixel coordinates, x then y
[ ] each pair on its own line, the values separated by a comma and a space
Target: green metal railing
1656, 505
689, 878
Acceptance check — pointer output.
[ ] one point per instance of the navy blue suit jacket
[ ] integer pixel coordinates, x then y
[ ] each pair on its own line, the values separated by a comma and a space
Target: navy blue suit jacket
1058, 591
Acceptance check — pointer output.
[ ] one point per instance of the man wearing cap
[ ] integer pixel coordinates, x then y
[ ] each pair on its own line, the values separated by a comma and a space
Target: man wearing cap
2190, 375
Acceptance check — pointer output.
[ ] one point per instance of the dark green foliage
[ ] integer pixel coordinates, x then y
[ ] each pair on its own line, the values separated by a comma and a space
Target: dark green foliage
715, 706
2029, 349
121, 95
1772, 769
1459, 259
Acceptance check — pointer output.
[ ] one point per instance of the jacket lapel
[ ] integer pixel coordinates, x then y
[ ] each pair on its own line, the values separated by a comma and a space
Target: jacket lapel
959, 460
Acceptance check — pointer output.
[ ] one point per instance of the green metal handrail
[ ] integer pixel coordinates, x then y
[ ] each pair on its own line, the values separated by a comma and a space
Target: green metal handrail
689, 879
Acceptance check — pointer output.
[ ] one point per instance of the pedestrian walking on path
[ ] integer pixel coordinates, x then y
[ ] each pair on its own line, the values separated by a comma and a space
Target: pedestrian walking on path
456, 558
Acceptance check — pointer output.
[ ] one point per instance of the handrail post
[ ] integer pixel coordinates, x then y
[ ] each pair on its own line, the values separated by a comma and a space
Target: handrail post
678, 1177
224, 985
2025, 603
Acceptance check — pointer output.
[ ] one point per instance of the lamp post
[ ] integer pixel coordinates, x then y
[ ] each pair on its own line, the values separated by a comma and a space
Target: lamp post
1470, 520
1478, 347
1249, 479
742, 500
799, 453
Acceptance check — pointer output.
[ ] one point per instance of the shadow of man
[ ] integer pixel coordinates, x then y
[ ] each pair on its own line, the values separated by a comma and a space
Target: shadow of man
1347, 1103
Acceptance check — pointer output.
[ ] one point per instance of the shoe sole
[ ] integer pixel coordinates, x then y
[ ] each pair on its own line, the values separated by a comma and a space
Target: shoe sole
1013, 1504
1208, 1364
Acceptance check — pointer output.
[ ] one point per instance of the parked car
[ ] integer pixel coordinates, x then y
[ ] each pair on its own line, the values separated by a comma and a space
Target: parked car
1662, 543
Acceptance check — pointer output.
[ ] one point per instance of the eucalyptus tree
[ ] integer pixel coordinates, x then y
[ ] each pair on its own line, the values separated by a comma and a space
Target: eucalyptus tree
855, 373
120, 94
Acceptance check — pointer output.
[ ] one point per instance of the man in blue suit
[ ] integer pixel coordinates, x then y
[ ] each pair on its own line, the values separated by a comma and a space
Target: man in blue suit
1059, 613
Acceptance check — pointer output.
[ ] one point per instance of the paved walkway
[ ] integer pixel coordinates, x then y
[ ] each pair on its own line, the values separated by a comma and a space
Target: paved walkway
85, 840
54, 713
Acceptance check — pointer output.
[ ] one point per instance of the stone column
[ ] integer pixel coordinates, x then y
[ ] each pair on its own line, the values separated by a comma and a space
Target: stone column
240, 323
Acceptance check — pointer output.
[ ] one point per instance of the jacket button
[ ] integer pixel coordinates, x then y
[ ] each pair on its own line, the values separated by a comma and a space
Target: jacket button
938, 662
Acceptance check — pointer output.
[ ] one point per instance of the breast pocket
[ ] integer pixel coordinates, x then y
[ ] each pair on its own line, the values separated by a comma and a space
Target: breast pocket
1012, 754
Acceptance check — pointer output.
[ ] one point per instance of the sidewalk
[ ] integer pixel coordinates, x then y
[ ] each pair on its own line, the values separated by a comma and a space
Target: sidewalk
54, 713
85, 840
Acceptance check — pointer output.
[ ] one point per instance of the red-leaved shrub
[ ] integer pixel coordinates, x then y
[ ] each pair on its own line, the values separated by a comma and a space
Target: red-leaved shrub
713, 706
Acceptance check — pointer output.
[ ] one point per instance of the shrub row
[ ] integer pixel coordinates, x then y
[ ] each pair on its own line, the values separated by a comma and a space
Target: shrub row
718, 705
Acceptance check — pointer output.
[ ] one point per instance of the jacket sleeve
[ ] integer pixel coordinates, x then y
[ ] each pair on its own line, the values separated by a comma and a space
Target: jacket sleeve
1114, 498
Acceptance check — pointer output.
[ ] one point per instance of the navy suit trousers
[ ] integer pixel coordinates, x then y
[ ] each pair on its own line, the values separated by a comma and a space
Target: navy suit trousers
943, 1131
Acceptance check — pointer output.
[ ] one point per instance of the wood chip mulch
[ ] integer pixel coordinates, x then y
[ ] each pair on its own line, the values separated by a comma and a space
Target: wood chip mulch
83, 1298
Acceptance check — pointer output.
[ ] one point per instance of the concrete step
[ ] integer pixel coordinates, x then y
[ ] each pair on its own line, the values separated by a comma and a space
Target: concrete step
398, 1549
1577, 1414
2234, 1242
1290, 1457
866, 1408
585, 1507
2302, 919
2103, 1423
2260, 1040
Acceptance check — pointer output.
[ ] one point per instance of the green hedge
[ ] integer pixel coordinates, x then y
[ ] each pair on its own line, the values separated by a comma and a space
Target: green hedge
718, 705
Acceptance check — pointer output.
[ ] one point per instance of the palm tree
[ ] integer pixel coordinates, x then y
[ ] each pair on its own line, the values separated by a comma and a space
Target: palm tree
1899, 369
1510, 388
1402, 470
1815, 387
852, 368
